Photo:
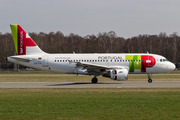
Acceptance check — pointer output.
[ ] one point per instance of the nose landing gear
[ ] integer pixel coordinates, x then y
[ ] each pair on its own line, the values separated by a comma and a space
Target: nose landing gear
149, 78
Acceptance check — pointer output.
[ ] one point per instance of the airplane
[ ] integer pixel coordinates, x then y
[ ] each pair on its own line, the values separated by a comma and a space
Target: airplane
115, 66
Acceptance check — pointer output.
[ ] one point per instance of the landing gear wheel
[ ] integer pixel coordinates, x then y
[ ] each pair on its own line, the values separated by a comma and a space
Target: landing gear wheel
149, 78
150, 81
94, 80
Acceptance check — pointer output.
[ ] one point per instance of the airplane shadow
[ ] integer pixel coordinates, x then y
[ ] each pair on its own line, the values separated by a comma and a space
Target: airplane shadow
81, 83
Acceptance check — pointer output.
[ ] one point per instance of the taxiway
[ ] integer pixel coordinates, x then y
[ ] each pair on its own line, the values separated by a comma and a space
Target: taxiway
106, 84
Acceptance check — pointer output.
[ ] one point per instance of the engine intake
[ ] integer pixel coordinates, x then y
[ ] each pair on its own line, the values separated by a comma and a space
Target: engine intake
119, 74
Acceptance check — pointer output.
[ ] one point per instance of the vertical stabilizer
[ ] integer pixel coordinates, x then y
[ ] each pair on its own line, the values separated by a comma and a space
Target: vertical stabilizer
23, 43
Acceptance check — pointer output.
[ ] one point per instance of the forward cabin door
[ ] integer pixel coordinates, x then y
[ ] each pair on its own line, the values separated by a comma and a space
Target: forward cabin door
150, 61
45, 61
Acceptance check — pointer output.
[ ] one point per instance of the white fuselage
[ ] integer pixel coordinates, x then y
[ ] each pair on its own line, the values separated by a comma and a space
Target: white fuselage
67, 63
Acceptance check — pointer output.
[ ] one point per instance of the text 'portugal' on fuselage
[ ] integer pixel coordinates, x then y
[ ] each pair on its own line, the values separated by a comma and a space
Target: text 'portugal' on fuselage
114, 66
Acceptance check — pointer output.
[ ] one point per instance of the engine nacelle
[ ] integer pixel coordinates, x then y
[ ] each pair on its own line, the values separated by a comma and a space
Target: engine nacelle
119, 74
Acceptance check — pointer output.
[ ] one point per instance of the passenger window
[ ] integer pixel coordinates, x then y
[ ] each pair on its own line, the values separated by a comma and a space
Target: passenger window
160, 60
111, 60
55, 60
106, 60
95, 60
63, 60
92, 60
89, 60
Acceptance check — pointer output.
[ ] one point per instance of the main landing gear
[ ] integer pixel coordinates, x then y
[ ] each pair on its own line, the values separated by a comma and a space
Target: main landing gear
149, 78
94, 80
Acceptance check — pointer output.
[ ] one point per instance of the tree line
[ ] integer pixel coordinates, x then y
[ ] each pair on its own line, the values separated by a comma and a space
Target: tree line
107, 42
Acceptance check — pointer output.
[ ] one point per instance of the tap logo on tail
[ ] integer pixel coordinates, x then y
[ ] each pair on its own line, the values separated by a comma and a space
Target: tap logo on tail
21, 39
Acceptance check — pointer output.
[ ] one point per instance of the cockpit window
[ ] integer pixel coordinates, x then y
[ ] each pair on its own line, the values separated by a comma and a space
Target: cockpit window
163, 60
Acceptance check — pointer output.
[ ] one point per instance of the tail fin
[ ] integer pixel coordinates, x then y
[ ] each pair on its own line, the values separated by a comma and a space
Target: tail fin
23, 43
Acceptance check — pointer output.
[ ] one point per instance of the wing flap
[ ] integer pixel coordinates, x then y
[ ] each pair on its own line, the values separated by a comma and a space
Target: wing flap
91, 66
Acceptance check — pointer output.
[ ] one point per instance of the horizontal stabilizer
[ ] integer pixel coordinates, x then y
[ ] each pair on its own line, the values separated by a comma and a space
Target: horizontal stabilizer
20, 59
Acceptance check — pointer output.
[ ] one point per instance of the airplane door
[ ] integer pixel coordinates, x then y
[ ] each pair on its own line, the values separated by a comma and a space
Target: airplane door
150, 61
45, 61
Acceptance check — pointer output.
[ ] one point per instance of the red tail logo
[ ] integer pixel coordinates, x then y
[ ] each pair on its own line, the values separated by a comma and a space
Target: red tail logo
24, 40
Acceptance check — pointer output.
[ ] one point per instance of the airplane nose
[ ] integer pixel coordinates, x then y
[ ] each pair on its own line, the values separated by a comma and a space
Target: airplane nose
172, 66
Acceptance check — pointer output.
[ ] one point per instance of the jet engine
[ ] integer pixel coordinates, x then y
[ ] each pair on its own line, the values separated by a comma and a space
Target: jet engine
119, 74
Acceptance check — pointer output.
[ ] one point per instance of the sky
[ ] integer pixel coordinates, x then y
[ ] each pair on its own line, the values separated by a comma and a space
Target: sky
127, 18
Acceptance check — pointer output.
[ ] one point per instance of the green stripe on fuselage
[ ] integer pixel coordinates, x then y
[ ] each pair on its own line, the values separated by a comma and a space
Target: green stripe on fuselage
134, 62
15, 36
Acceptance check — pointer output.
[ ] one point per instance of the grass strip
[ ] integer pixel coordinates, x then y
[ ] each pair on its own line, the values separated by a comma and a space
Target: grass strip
80, 104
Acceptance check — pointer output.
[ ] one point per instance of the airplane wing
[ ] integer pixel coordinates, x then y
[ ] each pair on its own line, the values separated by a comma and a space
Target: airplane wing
94, 67
90, 66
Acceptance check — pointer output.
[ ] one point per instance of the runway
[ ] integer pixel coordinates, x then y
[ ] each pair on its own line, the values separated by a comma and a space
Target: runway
106, 84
